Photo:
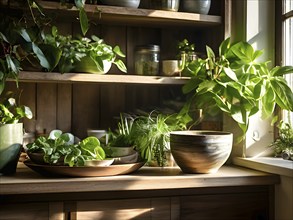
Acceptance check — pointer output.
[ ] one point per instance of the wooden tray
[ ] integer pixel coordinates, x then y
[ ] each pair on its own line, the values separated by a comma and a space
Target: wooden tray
49, 170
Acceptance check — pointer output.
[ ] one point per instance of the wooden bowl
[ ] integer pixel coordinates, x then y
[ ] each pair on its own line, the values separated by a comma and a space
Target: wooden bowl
200, 151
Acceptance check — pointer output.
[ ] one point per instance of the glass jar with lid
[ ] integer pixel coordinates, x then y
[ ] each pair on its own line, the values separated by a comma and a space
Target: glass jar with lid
147, 60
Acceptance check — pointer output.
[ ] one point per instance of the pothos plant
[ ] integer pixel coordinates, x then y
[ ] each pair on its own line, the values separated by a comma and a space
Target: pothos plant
235, 83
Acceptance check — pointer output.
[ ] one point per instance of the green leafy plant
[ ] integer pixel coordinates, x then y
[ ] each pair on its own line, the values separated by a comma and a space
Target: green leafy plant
151, 136
283, 145
122, 136
10, 111
60, 147
93, 51
19, 43
236, 83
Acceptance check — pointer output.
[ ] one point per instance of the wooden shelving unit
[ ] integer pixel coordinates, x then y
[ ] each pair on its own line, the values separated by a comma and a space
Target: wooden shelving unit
45, 77
132, 16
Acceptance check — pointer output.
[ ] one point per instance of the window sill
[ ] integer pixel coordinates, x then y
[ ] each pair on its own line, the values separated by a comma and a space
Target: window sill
267, 164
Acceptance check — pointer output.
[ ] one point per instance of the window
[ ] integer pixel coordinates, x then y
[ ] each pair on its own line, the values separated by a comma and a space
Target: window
285, 32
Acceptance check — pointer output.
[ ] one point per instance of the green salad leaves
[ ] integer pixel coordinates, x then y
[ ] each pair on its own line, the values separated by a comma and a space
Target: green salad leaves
61, 148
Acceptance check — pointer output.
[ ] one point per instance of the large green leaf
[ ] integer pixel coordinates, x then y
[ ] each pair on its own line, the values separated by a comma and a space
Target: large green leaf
230, 73
281, 70
224, 47
284, 95
52, 55
239, 114
210, 52
83, 19
191, 85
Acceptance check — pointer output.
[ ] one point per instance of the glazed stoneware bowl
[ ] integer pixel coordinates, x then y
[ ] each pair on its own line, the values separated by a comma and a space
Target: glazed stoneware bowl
196, 6
200, 151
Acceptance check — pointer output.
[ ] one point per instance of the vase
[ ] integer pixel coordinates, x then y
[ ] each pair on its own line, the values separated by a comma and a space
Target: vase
11, 138
197, 151
196, 6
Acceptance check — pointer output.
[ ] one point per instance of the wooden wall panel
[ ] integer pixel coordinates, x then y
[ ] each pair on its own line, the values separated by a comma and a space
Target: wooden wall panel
64, 107
112, 104
46, 102
85, 108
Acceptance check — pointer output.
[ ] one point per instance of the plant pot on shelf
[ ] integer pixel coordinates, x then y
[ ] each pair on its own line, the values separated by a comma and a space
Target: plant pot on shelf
87, 65
11, 138
200, 151
196, 6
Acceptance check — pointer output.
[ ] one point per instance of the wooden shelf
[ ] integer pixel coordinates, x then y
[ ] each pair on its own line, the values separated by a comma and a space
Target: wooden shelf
47, 77
132, 16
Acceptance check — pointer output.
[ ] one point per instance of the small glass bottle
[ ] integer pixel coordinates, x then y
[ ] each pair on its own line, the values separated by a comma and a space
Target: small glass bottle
147, 60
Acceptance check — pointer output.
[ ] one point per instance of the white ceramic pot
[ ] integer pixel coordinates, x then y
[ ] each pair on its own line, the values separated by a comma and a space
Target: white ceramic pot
171, 67
11, 138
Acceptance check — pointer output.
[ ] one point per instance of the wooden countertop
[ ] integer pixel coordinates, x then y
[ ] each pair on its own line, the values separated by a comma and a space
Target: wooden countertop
26, 181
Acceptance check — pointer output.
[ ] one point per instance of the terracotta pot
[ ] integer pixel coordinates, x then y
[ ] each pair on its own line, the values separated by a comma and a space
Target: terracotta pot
11, 138
200, 151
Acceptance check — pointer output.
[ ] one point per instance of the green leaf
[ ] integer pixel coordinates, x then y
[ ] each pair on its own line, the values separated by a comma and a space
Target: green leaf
230, 73
239, 114
52, 56
224, 47
210, 52
259, 90
84, 23
284, 95
280, 71
41, 56
117, 50
121, 66
191, 85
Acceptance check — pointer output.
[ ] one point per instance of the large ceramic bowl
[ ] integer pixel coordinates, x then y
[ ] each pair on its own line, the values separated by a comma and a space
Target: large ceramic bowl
200, 151
122, 3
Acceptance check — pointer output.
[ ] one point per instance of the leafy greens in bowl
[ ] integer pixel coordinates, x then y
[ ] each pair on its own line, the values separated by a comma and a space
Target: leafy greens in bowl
62, 145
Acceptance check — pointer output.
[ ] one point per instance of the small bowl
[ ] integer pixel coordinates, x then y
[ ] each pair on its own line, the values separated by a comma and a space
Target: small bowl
121, 151
99, 163
122, 3
126, 159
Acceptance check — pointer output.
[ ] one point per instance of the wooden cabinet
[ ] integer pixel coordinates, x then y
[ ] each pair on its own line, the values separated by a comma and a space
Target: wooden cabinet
76, 102
150, 193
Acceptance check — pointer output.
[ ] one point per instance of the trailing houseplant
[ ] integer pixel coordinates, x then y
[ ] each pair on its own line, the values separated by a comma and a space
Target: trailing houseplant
11, 131
235, 83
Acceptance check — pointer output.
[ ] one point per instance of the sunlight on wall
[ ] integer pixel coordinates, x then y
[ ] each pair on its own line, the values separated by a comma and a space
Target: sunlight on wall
260, 33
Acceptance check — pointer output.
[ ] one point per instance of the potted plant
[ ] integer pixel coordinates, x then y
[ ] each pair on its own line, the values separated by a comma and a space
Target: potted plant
84, 54
11, 131
283, 145
121, 141
151, 134
237, 84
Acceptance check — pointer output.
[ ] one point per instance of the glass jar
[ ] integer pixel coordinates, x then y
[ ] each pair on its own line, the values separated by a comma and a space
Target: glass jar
147, 60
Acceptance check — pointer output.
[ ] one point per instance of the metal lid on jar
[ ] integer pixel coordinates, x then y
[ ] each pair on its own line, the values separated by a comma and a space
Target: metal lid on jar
148, 48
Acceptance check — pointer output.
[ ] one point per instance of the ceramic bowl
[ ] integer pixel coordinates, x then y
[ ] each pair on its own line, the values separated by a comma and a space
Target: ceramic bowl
122, 3
99, 163
200, 151
121, 151
167, 5
132, 158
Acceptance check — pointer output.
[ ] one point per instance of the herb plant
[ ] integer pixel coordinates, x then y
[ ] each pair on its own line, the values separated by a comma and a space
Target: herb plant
236, 83
283, 145
151, 136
